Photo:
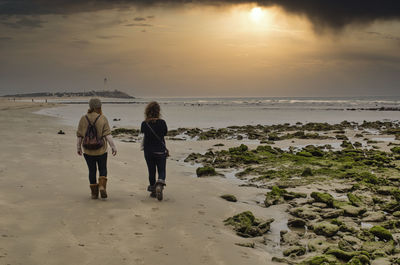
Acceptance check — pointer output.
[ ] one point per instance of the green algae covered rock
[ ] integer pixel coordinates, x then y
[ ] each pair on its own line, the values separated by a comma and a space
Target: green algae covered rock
294, 251
278, 195
239, 150
307, 172
246, 225
395, 150
381, 233
229, 197
353, 211
373, 246
345, 255
322, 197
321, 260
325, 229
359, 260
355, 200
319, 244
205, 171
274, 196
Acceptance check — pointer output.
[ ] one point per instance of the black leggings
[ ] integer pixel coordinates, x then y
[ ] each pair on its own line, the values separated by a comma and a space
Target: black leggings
101, 162
155, 161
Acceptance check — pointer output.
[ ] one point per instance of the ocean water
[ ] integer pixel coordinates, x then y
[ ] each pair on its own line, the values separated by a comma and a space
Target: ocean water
222, 112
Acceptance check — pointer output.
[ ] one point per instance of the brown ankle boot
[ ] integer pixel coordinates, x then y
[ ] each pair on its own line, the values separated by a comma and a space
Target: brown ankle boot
102, 186
95, 191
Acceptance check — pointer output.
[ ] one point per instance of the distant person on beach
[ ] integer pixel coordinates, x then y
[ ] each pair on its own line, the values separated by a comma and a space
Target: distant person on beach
93, 134
155, 151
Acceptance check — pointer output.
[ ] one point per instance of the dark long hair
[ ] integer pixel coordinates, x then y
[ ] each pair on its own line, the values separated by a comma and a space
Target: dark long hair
152, 111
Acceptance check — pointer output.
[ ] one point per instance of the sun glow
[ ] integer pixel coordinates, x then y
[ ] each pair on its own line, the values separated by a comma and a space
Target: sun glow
256, 14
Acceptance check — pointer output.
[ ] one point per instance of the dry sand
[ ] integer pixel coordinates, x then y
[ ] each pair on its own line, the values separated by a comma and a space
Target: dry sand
47, 216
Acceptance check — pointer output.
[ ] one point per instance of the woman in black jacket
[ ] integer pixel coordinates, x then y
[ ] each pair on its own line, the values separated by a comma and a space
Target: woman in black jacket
155, 151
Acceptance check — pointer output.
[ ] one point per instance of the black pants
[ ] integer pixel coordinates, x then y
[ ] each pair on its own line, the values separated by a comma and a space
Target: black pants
100, 161
155, 161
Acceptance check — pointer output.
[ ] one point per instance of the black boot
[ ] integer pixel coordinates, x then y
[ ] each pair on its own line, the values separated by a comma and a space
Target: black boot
152, 190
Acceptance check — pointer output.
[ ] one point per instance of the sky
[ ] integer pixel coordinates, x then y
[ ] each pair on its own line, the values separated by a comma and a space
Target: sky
185, 48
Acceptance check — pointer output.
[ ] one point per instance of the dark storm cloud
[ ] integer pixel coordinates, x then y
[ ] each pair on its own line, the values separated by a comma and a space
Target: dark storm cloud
23, 22
333, 14
139, 25
79, 42
108, 37
139, 19
384, 36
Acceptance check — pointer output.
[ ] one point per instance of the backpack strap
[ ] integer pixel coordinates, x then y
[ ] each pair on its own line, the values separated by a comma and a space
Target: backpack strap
87, 118
96, 119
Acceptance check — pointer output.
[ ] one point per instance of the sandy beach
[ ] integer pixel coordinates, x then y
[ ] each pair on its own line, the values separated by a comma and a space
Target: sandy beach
49, 218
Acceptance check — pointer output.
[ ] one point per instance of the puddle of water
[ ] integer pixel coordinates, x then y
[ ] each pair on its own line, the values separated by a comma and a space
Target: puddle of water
279, 223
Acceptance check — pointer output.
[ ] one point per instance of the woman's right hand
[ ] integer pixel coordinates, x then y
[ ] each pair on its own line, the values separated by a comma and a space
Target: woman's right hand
114, 151
79, 151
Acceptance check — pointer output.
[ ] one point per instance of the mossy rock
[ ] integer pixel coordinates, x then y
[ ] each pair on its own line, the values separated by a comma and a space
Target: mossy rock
289, 195
238, 150
353, 211
341, 137
325, 229
380, 232
359, 260
395, 150
206, 171
304, 212
274, 196
319, 244
368, 177
246, 245
355, 200
307, 172
396, 214
320, 260
278, 195
246, 225
391, 224
373, 246
294, 251
322, 197
350, 243
304, 153
229, 197
282, 260
345, 255
118, 131
391, 207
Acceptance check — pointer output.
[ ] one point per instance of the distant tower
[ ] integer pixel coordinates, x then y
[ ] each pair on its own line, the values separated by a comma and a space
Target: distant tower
105, 83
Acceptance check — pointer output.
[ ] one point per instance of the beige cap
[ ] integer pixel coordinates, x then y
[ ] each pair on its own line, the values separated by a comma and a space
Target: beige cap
94, 103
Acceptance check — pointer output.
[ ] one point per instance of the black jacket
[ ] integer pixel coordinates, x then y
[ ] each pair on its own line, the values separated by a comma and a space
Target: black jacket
151, 143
